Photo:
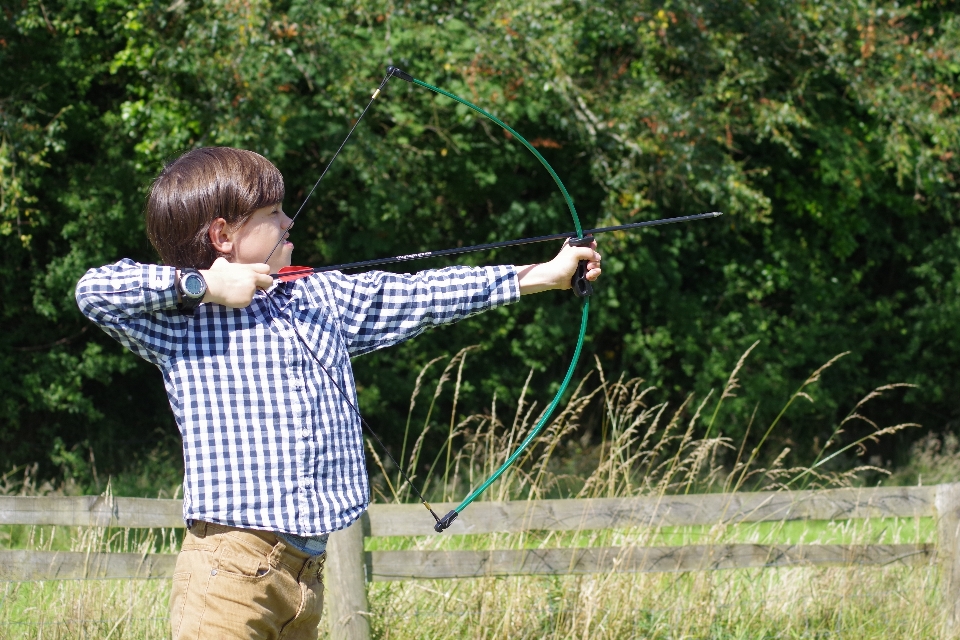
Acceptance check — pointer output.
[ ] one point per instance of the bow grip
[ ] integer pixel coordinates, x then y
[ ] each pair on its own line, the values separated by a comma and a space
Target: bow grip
581, 286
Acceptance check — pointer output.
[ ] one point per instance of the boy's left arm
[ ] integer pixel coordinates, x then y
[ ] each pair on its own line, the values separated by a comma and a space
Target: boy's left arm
379, 309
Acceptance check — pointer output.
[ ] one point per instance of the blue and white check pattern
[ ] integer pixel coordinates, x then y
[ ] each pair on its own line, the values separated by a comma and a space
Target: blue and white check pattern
268, 442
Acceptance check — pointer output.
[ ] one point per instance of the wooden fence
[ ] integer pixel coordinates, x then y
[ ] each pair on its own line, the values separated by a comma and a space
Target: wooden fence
350, 567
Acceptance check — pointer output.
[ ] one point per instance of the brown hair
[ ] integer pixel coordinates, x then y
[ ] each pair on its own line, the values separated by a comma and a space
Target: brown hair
199, 187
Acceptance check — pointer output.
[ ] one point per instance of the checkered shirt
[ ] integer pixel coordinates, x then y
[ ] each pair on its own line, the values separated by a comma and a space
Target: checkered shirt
268, 442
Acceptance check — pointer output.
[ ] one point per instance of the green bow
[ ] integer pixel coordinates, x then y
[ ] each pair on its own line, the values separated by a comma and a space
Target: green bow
581, 287
446, 520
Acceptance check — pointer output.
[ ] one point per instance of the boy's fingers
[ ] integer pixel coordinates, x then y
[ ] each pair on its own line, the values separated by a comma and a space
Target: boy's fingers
586, 253
260, 268
263, 281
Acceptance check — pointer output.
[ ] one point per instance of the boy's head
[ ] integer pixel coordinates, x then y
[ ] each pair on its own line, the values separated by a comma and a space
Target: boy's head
197, 189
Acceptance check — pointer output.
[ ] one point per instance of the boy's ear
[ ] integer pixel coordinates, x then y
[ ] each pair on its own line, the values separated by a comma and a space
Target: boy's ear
220, 236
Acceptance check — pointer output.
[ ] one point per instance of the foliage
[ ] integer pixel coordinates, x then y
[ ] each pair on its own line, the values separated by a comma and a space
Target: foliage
826, 132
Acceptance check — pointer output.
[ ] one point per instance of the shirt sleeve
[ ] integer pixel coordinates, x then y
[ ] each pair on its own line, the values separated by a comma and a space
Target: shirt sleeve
379, 309
136, 304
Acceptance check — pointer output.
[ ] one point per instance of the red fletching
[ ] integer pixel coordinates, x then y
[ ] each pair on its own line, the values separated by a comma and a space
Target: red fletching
289, 274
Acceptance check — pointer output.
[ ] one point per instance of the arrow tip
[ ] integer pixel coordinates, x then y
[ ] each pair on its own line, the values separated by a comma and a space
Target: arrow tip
715, 214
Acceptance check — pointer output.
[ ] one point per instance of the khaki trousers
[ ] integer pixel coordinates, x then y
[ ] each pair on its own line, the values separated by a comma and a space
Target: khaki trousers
242, 583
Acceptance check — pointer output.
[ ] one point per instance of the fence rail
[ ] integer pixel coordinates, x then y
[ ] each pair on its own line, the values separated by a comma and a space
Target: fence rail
350, 567
384, 566
545, 515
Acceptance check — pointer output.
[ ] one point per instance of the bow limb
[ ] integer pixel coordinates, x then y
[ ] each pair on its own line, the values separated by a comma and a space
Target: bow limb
446, 520
523, 141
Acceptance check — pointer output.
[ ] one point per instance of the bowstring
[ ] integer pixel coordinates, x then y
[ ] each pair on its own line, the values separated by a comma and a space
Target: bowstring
376, 93
303, 340
352, 406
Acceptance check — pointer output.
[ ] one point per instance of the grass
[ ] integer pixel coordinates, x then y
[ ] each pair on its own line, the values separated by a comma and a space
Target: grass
647, 448
99, 609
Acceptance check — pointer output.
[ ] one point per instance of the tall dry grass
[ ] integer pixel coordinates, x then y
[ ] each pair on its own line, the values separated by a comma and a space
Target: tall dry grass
647, 447
102, 609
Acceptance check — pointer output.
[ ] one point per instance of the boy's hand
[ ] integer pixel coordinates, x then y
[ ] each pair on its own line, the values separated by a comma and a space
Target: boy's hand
232, 284
557, 273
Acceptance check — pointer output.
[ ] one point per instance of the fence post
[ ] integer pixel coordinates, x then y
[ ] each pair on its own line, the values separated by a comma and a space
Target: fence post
948, 531
346, 584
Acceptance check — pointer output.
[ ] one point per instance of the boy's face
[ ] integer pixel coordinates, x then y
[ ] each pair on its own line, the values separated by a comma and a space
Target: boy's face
253, 241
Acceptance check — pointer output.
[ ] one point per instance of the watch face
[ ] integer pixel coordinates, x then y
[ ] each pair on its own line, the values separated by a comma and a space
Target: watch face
193, 285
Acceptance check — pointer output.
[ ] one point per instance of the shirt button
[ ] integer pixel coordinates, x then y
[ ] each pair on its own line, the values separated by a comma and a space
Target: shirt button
304, 433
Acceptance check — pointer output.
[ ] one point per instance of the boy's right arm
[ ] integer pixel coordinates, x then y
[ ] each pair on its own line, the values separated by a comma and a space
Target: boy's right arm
137, 305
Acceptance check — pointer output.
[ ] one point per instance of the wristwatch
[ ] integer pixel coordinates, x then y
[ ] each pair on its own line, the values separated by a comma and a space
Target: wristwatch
192, 288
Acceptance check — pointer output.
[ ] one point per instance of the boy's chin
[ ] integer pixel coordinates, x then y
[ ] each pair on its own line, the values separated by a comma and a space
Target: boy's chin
279, 263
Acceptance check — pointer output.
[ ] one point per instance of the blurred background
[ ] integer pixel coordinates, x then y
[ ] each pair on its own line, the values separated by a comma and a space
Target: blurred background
828, 134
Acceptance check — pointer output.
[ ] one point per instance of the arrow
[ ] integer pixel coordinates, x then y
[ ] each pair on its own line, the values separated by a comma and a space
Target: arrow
288, 274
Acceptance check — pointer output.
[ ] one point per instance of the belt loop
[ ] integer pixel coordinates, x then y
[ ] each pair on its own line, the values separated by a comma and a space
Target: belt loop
277, 552
201, 529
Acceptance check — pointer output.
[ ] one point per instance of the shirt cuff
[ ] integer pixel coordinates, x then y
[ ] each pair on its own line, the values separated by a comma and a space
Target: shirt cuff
504, 285
159, 286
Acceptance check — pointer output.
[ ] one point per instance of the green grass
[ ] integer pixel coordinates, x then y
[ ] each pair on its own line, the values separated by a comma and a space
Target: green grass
645, 450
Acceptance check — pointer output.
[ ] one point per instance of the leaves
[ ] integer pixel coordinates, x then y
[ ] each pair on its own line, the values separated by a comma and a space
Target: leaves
827, 133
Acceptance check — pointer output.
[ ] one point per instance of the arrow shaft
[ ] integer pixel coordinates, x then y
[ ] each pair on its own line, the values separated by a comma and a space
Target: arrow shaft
506, 243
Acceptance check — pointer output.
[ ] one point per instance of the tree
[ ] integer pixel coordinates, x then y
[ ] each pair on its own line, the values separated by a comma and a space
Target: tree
825, 132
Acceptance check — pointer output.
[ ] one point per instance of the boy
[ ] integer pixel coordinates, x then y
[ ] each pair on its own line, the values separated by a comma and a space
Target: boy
272, 450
